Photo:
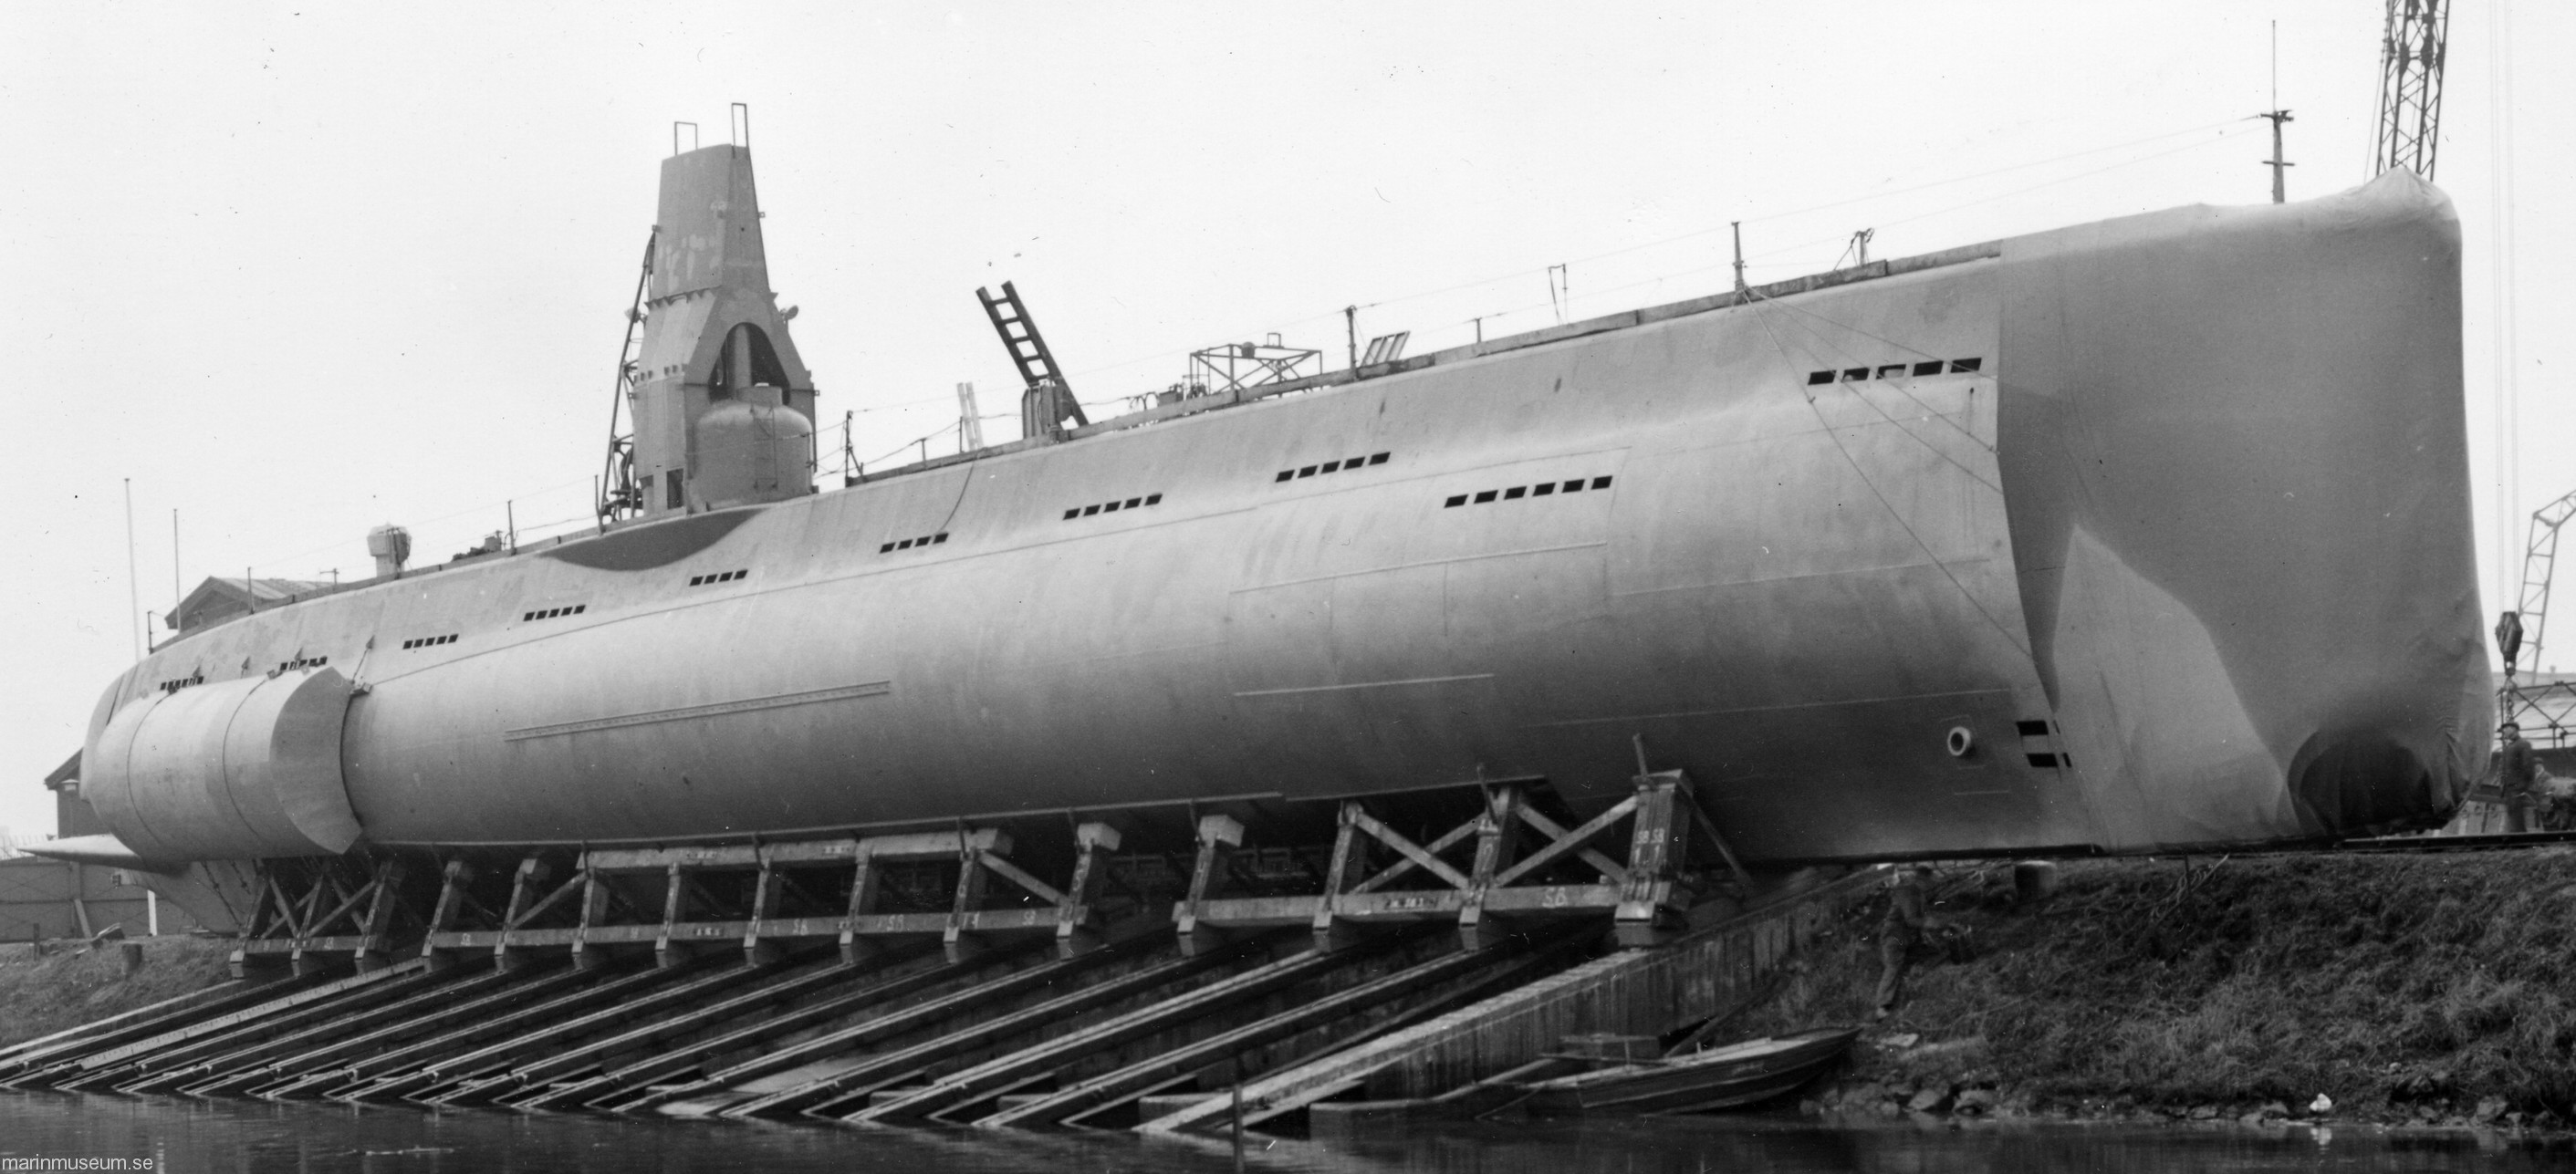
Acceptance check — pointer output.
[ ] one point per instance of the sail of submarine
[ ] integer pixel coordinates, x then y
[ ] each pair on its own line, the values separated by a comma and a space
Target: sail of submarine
2133, 536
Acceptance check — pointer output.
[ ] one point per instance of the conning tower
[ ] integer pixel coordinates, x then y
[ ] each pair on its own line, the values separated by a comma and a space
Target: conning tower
723, 406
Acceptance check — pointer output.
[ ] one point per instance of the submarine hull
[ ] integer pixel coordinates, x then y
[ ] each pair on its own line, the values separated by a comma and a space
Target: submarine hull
2137, 536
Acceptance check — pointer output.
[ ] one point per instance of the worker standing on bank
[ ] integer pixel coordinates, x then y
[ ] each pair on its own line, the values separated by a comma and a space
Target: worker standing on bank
2517, 774
1909, 913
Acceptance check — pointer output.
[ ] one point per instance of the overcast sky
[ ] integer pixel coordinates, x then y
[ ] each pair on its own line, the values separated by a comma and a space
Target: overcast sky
298, 271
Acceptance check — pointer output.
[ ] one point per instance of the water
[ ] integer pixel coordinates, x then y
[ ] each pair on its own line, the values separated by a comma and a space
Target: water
189, 1136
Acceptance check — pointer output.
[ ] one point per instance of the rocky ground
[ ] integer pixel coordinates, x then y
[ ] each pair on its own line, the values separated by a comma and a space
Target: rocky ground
2429, 989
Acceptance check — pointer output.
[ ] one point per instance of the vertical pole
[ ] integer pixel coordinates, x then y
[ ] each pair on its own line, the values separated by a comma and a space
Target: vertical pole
2500, 234
151, 913
1738, 227
133, 588
510, 513
2280, 172
1351, 333
175, 595
80, 902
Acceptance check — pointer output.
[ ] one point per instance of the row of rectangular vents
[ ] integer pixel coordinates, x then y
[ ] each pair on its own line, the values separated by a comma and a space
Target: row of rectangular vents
1914, 368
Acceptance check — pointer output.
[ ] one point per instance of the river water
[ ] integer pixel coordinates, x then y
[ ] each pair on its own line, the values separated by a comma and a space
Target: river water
189, 1136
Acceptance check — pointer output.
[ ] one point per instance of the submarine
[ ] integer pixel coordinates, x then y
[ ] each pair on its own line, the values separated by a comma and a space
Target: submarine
2141, 536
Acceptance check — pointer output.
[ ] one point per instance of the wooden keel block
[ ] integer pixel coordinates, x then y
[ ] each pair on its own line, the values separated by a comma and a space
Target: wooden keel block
1651, 904
1219, 836
764, 906
867, 883
1077, 930
955, 940
443, 916
525, 886
376, 924
1349, 863
1497, 840
589, 954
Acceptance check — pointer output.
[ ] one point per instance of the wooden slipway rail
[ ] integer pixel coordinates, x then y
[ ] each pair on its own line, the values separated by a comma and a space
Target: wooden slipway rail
1636, 992
1420, 965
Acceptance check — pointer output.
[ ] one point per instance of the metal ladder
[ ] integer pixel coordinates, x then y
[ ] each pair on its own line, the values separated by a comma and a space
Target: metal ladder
1028, 348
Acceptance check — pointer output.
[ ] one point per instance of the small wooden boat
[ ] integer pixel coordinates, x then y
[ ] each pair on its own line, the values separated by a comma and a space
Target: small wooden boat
1729, 1077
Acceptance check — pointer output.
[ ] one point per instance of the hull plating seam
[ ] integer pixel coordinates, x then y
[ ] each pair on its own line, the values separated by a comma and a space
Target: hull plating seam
870, 689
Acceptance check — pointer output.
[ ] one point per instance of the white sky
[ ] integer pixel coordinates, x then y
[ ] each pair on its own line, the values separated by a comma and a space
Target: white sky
297, 272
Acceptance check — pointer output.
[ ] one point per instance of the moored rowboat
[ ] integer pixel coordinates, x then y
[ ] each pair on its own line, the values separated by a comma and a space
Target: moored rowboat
1733, 1076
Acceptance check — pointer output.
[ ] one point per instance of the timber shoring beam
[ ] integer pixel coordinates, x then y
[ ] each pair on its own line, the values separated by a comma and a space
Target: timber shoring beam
1496, 885
1634, 992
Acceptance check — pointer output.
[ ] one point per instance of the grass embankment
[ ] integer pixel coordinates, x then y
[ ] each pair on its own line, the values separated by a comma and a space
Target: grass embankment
40, 995
2403, 987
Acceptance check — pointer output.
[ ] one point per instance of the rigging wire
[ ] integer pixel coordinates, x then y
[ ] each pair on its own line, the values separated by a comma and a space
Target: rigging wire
1769, 216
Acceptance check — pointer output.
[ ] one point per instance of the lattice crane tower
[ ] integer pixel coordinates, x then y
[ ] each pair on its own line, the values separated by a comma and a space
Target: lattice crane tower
2410, 85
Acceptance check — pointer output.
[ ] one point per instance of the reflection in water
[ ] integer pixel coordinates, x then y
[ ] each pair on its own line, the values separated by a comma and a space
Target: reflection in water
189, 1136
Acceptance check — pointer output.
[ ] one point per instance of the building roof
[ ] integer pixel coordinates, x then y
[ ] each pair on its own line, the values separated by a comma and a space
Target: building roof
69, 770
